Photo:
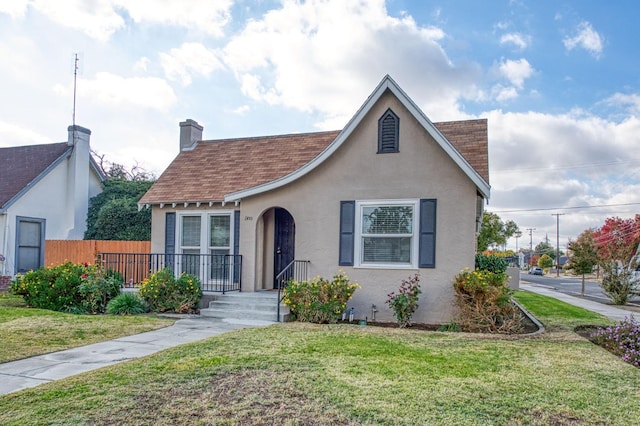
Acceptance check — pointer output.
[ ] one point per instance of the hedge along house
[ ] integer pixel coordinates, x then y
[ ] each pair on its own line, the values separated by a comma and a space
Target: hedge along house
390, 195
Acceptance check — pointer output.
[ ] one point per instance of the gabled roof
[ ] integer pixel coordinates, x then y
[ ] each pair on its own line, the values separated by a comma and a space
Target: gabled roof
22, 166
230, 169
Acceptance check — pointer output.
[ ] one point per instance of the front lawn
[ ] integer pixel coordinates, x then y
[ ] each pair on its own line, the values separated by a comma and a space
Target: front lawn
26, 332
347, 374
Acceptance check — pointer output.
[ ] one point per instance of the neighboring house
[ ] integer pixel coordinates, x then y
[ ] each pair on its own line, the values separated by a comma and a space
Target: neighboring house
390, 195
44, 194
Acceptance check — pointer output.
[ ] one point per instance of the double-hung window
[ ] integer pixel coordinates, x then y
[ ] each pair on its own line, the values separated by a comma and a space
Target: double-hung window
386, 233
205, 243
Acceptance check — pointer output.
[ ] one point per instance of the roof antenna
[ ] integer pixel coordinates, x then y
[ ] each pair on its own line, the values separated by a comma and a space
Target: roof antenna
75, 78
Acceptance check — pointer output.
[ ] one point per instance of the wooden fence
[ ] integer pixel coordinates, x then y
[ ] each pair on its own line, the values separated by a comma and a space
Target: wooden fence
57, 252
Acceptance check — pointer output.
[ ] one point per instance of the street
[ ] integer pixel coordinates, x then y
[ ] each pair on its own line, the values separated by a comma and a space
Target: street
573, 286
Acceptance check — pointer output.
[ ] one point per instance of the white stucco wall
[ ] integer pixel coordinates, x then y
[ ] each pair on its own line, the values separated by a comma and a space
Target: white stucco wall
51, 199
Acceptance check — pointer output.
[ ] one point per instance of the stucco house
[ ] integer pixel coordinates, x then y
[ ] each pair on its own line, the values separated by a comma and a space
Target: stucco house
44, 194
390, 195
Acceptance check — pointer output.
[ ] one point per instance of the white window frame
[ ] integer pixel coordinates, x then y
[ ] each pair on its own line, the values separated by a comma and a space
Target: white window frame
358, 236
205, 229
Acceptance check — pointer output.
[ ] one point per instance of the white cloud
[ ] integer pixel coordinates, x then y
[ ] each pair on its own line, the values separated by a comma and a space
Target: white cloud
15, 135
516, 71
206, 16
190, 58
518, 40
141, 65
326, 56
14, 8
587, 38
502, 94
629, 101
116, 91
100, 19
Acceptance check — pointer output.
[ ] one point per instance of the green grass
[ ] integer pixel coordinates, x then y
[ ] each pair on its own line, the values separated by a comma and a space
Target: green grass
555, 314
26, 332
341, 374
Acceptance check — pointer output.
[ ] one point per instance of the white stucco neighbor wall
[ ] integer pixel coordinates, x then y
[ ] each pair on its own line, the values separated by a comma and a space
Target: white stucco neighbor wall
61, 198
356, 172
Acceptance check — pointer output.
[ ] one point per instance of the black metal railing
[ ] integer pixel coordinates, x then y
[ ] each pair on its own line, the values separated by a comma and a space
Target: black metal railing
297, 270
218, 273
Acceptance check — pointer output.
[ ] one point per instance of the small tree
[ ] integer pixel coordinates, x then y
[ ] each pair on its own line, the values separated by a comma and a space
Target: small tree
545, 261
616, 244
495, 232
583, 255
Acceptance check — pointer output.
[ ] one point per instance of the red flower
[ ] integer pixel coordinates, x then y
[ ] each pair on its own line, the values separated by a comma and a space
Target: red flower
84, 276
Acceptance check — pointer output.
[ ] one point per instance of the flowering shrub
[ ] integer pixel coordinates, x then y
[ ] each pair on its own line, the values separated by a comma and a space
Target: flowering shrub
484, 303
320, 300
164, 293
77, 288
622, 339
405, 303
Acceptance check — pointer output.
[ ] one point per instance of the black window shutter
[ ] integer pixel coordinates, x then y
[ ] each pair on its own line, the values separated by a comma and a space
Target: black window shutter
347, 228
388, 133
169, 239
236, 246
427, 242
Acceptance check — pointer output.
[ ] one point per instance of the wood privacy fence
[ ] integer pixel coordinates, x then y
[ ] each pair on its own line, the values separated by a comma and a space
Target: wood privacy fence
57, 252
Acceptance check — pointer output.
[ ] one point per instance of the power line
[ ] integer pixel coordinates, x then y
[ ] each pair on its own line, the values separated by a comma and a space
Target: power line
566, 208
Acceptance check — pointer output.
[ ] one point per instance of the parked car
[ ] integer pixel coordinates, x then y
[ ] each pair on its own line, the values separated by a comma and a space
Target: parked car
535, 271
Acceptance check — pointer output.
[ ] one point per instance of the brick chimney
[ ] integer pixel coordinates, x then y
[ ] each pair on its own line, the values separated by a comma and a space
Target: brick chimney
190, 134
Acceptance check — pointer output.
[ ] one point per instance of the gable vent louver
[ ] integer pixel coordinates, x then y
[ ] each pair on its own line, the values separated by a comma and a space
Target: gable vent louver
388, 132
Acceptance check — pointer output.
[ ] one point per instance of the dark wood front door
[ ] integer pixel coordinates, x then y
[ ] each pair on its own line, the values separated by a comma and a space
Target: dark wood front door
285, 230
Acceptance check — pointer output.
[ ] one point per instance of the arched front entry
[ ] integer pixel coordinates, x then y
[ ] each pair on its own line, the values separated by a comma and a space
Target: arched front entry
275, 246
283, 242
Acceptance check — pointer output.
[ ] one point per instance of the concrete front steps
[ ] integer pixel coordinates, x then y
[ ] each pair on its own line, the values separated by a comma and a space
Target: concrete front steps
260, 305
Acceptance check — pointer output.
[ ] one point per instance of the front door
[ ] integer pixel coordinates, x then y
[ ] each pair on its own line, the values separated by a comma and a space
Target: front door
29, 244
285, 230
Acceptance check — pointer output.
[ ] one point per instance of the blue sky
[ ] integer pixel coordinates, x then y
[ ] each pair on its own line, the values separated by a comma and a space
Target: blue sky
558, 82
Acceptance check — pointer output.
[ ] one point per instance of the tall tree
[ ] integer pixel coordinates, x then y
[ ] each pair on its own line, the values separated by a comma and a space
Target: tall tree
545, 248
583, 256
494, 232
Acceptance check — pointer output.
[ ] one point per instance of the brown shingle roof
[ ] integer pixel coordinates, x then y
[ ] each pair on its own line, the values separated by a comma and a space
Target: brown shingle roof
470, 138
216, 168
20, 165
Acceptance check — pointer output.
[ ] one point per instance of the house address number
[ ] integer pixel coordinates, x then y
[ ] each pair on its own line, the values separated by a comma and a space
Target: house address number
248, 218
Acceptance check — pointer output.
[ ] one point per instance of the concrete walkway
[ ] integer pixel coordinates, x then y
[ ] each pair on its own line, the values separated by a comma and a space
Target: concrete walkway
613, 312
30, 372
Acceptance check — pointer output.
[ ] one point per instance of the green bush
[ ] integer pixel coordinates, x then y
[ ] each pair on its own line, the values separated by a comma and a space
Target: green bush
491, 263
484, 302
617, 283
164, 293
74, 288
97, 289
405, 302
319, 301
127, 304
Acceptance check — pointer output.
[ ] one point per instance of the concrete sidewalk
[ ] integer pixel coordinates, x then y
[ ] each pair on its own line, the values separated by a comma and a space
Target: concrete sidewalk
30, 372
613, 312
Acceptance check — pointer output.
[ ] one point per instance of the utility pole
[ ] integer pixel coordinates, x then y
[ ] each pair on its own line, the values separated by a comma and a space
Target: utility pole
557, 215
530, 243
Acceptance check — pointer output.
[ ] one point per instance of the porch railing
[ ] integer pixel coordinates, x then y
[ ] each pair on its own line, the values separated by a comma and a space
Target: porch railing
218, 273
297, 270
